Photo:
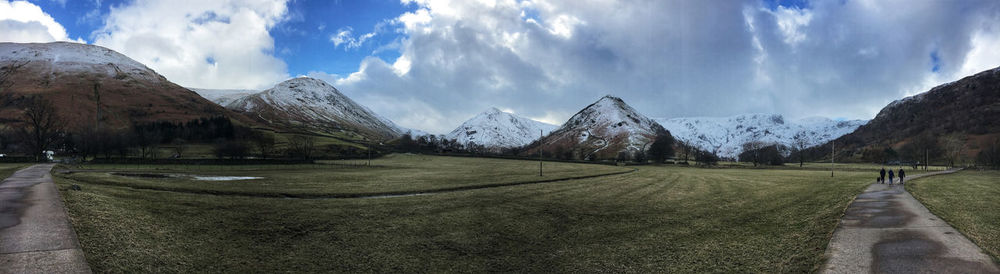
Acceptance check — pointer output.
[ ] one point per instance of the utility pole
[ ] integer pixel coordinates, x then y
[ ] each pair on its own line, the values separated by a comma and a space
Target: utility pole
540, 136
369, 153
833, 154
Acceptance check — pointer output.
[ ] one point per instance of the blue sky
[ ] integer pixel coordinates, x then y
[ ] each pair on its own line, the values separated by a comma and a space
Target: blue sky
307, 35
302, 41
431, 64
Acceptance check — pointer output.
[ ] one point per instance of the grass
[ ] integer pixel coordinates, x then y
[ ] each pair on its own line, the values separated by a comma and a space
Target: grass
658, 219
968, 201
394, 173
8, 169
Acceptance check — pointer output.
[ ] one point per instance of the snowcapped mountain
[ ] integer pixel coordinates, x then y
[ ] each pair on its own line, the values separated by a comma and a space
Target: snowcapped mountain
725, 136
497, 129
91, 85
602, 130
313, 105
223, 97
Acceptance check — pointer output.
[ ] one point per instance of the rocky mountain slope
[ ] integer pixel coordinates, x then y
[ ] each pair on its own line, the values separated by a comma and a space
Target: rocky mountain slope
79, 79
497, 129
310, 104
602, 130
969, 106
725, 136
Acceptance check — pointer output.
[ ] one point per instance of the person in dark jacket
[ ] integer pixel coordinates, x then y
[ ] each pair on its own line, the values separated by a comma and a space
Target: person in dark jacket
890, 177
901, 175
881, 176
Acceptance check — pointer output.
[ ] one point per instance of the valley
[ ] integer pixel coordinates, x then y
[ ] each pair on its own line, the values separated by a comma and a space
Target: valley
517, 136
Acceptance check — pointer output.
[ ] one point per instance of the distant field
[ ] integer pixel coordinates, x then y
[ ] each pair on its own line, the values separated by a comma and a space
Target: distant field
393, 173
658, 219
968, 200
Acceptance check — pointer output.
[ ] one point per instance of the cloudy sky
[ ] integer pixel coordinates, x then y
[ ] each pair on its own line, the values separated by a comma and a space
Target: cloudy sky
431, 64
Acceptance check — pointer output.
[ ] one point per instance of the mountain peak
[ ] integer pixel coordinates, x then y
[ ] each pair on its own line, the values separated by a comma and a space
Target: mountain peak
492, 110
496, 129
603, 130
610, 98
312, 104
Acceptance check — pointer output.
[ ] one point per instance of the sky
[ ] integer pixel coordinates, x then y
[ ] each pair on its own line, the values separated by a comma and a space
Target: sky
431, 64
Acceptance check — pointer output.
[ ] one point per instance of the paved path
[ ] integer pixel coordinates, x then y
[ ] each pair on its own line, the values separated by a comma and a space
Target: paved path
886, 230
35, 232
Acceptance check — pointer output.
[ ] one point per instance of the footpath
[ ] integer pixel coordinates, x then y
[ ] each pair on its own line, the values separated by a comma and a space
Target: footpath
886, 230
35, 232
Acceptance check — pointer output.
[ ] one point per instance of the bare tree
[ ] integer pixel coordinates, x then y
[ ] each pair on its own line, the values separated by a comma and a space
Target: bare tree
989, 154
752, 150
301, 146
264, 143
148, 141
800, 140
180, 145
42, 127
953, 146
686, 150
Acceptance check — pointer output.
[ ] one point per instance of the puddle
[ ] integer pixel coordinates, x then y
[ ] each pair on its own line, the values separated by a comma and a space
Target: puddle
144, 175
224, 178
190, 176
395, 195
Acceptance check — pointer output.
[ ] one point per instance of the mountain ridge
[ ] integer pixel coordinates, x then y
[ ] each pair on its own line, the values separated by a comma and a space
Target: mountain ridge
725, 136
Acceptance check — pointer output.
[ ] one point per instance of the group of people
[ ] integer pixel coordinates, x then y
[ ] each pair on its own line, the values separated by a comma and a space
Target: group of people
881, 176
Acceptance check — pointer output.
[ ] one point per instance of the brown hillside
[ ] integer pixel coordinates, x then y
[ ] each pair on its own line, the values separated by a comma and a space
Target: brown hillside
66, 74
970, 106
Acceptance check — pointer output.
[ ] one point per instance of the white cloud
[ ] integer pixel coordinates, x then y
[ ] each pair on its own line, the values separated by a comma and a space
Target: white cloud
345, 37
790, 22
25, 22
549, 58
983, 55
206, 44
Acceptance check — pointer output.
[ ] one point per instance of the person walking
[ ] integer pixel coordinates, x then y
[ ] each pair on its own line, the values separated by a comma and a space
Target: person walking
881, 176
901, 175
890, 177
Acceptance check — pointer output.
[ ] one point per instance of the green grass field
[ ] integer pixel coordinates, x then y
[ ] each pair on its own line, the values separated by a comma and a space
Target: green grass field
658, 219
393, 173
968, 200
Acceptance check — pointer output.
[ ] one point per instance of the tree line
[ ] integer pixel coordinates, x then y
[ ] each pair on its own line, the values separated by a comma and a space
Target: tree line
661, 148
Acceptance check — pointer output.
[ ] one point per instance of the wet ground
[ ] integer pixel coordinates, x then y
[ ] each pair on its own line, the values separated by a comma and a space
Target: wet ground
35, 232
886, 230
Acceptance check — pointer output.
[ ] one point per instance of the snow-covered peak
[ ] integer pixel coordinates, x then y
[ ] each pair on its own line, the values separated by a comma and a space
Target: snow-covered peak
603, 130
75, 57
613, 115
497, 129
313, 103
726, 135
